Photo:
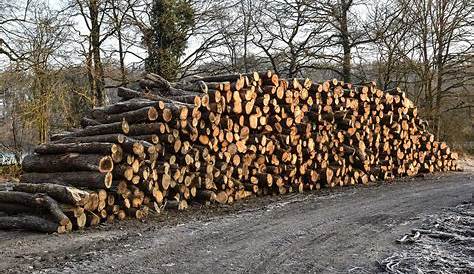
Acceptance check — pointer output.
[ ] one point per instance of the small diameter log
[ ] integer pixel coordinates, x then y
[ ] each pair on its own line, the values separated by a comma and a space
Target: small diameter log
105, 138
86, 122
32, 223
198, 86
134, 116
116, 127
68, 162
63, 194
36, 200
121, 107
82, 179
85, 148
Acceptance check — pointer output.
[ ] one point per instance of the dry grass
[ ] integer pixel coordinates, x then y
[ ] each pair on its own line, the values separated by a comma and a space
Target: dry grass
10, 173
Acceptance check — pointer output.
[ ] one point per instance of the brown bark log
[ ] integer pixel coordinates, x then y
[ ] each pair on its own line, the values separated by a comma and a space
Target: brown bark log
105, 138
117, 128
32, 223
81, 179
67, 162
63, 194
93, 148
134, 116
36, 200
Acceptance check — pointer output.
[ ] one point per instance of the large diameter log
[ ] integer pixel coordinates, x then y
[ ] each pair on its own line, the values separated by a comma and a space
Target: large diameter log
63, 194
36, 200
81, 179
31, 223
67, 162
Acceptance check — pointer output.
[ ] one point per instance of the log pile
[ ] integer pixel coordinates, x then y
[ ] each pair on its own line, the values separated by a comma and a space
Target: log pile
218, 139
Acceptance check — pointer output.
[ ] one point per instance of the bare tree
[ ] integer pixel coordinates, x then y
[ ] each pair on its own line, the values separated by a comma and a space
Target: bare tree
94, 14
40, 39
119, 11
348, 31
441, 39
12, 14
287, 33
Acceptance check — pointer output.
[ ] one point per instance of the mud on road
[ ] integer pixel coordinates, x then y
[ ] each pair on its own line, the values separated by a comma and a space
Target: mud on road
344, 230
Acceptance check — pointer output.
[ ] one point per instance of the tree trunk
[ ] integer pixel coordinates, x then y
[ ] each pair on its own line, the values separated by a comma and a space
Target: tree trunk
96, 44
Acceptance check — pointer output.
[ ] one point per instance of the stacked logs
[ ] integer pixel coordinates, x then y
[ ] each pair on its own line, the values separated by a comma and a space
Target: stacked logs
218, 139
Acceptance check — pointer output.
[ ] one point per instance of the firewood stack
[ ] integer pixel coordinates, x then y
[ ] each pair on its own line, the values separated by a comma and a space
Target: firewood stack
218, 139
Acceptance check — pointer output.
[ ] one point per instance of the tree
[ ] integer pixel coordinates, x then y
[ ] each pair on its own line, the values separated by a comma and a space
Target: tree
287, 35
119, 12
12, 15
93, 13
38, 88
166, 39
348, 31
441, 42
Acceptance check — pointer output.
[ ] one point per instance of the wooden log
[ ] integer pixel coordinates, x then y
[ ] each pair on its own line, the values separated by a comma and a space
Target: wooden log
134, 116
117, 127
18, 209
86, 148
36, 200
67, 162
128, 94
197, 86
148, 128
105, 138
32, 223
123, 106
81, 179
63, 194
86, 122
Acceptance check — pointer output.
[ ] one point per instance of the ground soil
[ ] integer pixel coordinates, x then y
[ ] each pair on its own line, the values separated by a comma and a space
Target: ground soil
342, 230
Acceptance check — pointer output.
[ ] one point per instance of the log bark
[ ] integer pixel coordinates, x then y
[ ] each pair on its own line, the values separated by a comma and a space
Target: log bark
134, 116
36, 200
116, 127
92, 148
63, 194
80, 179
32, 223
124, 106
105, 138
67, 162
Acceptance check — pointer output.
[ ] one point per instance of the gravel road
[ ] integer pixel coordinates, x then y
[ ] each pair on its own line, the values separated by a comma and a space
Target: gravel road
344, 230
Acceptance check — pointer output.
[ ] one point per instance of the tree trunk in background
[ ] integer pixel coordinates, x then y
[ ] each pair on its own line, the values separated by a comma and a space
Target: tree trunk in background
95, 43
346, 43
118, 28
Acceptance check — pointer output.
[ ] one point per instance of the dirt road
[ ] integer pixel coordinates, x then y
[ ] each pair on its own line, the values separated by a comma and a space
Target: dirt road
334, 231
